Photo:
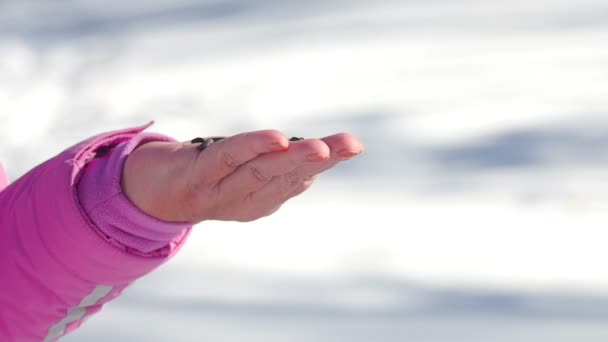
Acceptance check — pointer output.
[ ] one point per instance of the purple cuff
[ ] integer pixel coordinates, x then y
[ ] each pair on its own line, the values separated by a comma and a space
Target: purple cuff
117, 218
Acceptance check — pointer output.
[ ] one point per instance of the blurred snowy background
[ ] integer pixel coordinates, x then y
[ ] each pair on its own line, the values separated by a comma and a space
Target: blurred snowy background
477, 213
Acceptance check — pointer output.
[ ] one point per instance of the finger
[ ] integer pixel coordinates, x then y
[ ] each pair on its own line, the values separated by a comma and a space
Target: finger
302, 187
280, 189
343, 146
255, 174
223, 157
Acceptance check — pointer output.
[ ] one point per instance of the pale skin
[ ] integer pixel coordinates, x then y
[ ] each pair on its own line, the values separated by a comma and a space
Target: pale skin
241, 178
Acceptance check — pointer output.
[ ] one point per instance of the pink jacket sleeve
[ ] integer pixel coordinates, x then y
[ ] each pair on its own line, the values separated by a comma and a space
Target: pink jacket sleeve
59, 260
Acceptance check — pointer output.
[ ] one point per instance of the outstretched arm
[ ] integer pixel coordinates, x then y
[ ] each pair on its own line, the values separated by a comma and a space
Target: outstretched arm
79, 228
240, 178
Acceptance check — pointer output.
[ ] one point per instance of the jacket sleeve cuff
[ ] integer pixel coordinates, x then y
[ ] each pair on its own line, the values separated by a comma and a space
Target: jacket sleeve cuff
116, 218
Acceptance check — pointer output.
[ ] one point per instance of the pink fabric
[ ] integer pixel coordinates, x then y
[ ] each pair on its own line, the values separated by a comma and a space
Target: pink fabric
118, 220
52, 255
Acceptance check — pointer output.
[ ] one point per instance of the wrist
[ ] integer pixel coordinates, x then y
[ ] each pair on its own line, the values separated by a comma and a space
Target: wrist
154, 178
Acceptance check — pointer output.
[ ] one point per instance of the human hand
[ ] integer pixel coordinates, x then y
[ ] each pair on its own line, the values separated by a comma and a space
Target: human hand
239, 178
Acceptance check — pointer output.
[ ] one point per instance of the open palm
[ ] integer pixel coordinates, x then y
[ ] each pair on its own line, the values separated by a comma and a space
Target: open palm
239, 178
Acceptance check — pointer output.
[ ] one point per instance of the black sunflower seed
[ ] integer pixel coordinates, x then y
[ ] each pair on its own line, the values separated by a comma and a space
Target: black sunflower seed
204, 142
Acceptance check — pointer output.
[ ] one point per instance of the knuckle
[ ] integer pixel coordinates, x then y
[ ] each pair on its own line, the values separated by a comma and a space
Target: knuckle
292, 178
300, 189
257, 174
308, 180
283, 187
287, 182
228, 160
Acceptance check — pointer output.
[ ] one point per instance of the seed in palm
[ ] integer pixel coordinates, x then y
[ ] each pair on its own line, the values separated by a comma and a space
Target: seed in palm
205, 142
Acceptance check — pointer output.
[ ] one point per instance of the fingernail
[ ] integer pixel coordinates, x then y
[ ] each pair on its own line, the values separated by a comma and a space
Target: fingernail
314, 157
277, 145
346, 153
